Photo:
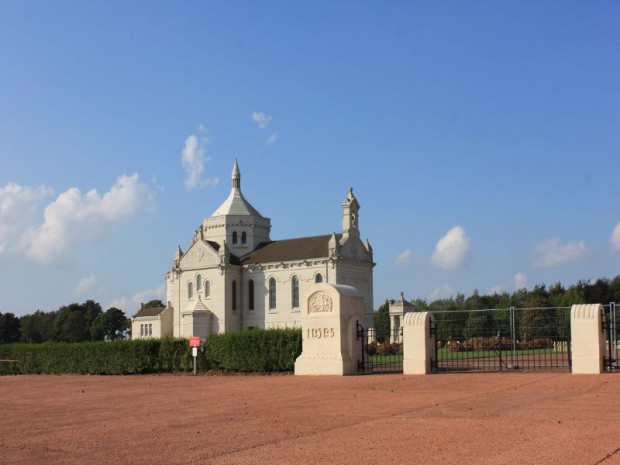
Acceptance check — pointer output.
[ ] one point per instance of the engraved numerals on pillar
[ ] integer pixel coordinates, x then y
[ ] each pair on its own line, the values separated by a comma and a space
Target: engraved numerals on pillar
320, 333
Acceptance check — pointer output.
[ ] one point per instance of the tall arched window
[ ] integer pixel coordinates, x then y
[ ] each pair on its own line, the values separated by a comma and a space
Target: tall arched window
244, 237
272, 293
207, 289
190, 290
199, 283
234, 237
295, 292
251, 294
318, 278
234, 295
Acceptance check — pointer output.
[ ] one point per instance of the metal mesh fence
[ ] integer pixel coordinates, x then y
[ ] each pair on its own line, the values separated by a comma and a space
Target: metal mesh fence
513, 339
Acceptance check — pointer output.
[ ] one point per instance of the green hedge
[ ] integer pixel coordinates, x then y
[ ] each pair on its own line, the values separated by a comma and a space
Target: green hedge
255, 350
98, 358
246, 351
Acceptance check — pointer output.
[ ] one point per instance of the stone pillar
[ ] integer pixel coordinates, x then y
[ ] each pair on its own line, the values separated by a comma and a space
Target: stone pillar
329, 316
587, 339
372, 337
393, 328
418, 344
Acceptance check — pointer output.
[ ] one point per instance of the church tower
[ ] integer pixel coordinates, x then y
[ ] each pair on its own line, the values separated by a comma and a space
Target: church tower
236, 222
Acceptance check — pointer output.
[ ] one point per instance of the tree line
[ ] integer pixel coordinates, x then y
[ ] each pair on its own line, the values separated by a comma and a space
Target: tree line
70, 323
538, 319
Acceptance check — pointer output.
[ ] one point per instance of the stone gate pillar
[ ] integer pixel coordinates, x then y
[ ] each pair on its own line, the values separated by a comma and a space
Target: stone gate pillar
587, 338
418, 343
329, 316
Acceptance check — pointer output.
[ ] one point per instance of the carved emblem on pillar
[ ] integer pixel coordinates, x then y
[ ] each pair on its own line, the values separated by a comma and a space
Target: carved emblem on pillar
320, 302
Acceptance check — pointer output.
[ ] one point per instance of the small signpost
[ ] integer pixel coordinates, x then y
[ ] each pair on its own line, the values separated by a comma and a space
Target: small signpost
194, 343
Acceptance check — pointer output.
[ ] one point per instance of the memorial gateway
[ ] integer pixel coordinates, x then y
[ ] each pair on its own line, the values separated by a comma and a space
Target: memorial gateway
234, 277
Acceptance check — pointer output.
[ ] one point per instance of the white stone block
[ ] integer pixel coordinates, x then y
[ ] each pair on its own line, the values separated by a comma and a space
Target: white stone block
418, 345
588, 339
329, 318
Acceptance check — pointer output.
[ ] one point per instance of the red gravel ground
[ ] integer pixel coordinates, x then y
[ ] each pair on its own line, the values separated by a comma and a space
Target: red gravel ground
386, 419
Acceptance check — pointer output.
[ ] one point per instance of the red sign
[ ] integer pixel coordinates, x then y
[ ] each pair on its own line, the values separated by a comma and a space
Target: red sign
194, 342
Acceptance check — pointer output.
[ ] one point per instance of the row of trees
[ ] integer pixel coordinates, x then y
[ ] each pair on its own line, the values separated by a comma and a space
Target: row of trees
539, 317
70, 323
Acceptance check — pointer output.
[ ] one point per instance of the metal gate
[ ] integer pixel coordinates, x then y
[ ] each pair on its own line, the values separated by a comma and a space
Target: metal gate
384, 357
611, 325
498, 340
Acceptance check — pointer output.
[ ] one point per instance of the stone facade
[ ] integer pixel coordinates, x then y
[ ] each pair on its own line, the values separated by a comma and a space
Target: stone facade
234, 277
398, 309
152, 322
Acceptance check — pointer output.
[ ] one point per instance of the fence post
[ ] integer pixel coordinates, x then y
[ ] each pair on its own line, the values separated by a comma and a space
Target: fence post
588, 339
418, 343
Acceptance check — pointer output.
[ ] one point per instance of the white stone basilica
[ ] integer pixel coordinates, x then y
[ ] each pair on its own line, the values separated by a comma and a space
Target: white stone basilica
234, 277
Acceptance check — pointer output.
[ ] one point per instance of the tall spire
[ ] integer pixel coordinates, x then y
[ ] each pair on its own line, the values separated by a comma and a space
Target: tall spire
236, 176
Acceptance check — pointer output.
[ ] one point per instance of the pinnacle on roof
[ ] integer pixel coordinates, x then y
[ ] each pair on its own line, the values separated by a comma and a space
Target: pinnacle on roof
236, 176
236, 204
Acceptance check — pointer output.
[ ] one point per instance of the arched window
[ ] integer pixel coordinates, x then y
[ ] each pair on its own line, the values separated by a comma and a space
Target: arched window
318, 278
234, 237
251, 294
244, 237
234, 295
190, 290
272, 293
199, 283
295, 292
207, 289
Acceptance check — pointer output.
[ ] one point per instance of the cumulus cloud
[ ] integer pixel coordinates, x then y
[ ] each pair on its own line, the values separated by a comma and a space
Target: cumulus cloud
615, 237
403, 258
19, 210
261, 119
497, 289
441, 292
451, 250
193, 160
272, 138
131, 305
85, 285
75, 218
520, 280
552, 253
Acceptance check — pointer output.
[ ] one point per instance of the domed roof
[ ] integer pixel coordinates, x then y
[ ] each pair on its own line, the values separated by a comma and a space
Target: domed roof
236, 204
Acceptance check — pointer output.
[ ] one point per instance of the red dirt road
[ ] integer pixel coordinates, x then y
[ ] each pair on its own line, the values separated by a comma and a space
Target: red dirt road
435, 419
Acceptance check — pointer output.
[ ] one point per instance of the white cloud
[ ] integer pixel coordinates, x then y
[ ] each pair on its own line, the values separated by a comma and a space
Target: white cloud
403, 258
85, 285
130, 305
193, 160
272, 138
615, 237
520, 280
451, 250
552, 253
75, 218
19, 210
442, 292
497, 289
261, 119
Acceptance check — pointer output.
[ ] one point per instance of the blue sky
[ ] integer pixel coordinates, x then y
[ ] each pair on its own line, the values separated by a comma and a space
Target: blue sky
481, 138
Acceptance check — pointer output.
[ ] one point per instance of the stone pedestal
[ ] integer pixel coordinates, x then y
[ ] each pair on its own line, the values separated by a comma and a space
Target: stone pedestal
329, 332
587, 339
418, 344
